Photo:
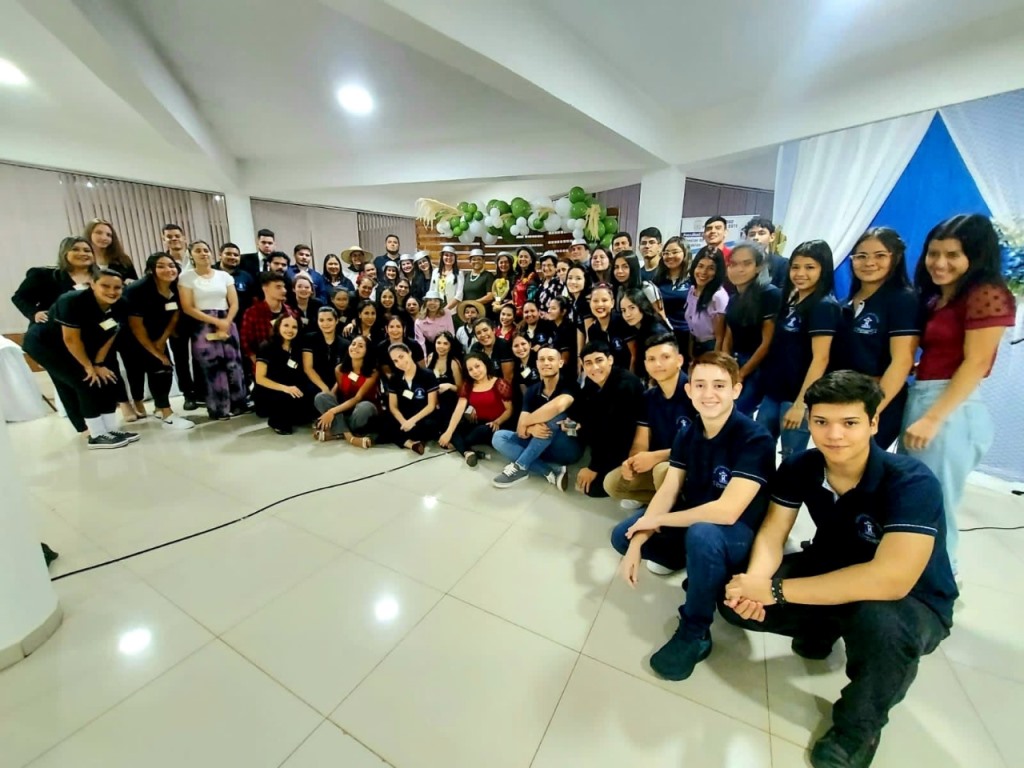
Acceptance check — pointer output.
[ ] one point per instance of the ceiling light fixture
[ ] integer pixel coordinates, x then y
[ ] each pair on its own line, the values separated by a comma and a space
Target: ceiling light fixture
355, 99
10, 74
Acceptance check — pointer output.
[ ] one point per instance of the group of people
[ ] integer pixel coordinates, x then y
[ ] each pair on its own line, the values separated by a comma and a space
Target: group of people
671, 375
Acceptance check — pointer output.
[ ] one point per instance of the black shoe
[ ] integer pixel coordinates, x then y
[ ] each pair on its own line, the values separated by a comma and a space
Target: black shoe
814, 648
834, 750
48, 554
107, 441
677, 658
471, 459
130, 437
686, 584
284, 430
189, 404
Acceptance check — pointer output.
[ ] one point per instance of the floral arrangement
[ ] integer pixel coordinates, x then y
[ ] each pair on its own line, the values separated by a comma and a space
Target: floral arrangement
1011, 237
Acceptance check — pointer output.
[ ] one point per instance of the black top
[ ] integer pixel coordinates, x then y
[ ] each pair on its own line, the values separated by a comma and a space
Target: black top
326, 357
78, 309
40, 289
525, 376
742, 448
862, 339
383, 358
501, 353
475, 289
897, 494
746, 337
566, 341
617, 336
247, 289
609, 416
145, 301
535, 397
412, 396
127, 273
666, 417
789, 355
283, 366
778, 269
579, 310
542, 334
307, 319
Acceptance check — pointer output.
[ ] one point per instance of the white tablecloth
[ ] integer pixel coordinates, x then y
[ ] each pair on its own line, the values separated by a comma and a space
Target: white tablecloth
21, 397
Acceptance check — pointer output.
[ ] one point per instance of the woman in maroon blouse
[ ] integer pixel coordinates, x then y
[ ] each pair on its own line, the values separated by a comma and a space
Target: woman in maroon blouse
485, 404
968, 307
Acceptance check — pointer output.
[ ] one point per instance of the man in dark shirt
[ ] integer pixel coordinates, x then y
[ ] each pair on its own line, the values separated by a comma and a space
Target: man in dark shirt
608, 409
257, 325
254, 263
716, 229
391, 246
876, 574
245, 285
775, 268
303, 255
704, 515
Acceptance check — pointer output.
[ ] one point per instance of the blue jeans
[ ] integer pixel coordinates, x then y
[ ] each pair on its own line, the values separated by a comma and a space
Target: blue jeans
711, 554
537, 454
770, 416
962, 442
750, 397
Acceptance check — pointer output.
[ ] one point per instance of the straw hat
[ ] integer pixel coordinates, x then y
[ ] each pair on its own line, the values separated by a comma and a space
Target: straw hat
461, 311
346, 255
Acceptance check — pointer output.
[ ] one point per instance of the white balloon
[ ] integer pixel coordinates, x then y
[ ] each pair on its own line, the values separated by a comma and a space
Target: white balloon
553, 223
466, 238
577, 234
444, 228
477, 228
562, 207
490, 239
495, 213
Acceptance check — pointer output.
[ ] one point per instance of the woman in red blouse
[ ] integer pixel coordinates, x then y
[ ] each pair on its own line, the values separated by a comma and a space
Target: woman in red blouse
968, 307
350, 408
486, 403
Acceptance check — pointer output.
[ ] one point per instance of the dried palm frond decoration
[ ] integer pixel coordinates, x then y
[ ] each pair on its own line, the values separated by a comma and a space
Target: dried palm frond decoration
430, 211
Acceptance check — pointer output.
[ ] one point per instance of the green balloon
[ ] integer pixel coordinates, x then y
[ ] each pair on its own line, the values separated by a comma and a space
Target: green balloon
520, 207
502, 207
506, 232
496, 231
478, 215
578, 210
490, 205
606, 241
463, 206
471, 208
611, 224
601, 229
577, 195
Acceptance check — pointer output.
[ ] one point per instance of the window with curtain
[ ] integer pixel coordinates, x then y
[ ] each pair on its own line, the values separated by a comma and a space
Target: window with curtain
374, 229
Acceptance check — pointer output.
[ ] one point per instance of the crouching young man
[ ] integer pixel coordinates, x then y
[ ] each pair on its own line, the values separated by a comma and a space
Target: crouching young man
704, 515
876, 573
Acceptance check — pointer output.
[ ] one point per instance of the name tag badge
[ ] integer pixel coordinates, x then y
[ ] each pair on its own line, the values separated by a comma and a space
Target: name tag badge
407, 394
305, 320
353, 376
292, 364
170, 306
108, 324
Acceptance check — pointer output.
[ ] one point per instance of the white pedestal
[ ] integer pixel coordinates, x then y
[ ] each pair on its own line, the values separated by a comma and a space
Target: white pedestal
29, 611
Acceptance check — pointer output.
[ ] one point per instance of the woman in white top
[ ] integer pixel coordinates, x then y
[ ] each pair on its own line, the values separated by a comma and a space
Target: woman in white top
209, 296
447, 280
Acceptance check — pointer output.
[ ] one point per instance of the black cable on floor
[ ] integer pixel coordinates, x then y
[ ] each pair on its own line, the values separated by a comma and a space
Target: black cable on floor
240, 519
993, 528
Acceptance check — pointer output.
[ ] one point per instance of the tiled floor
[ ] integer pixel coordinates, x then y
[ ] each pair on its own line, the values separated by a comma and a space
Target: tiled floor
418, 617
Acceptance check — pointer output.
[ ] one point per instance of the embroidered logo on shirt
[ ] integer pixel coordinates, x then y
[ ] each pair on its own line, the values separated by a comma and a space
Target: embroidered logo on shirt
420, 393
868, 529
867, 323
792, 321
720, 477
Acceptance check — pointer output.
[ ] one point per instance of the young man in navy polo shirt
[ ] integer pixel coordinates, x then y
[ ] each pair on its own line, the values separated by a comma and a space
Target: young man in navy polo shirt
667, 409
704, 515
876, 574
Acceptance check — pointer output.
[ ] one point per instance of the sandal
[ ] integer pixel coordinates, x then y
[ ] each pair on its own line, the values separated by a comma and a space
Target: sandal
417, 447
360, 442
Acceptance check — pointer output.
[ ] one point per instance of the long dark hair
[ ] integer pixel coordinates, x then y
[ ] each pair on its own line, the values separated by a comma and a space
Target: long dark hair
323, 266
708, 291
633, 281
819, 251
530, 271
980, 244
368, 363
890, 238
661, 276
510, 273
748, 301
455, 352
606, 275
278, 340
638, 297
483, 357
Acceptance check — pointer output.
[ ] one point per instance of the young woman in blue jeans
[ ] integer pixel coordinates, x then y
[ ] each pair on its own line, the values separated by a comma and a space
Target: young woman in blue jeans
800, 349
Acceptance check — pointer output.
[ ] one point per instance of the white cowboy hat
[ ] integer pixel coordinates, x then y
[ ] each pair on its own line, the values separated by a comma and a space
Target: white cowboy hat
346, 255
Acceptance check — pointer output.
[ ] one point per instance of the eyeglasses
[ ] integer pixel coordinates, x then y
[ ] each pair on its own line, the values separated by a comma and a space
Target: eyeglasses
862, 258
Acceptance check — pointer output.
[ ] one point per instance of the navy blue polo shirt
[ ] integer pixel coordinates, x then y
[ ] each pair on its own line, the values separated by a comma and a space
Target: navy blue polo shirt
673, 297
534, 397
790, 354
746, 336
543, 334
412, 396
897, 494
618, 335
742, 448
664, 416
862, 339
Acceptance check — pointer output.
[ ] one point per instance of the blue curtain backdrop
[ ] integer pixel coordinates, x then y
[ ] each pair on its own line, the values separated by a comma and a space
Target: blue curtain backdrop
935, 186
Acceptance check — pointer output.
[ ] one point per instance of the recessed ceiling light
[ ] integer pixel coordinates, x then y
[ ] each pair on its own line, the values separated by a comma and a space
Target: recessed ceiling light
355, 99
10, 74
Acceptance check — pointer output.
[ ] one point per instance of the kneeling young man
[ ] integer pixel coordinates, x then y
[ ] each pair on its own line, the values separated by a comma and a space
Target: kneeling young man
704, 515
876, 574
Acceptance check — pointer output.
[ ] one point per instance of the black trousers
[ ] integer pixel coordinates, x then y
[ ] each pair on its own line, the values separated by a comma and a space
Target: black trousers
81, 401
466, 435
281, 410
884, 644
890, 423
426, 430
191, 380
138, 364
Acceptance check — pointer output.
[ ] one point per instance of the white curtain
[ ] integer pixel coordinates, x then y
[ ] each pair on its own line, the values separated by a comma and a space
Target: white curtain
325, 230
374, 229
842, 179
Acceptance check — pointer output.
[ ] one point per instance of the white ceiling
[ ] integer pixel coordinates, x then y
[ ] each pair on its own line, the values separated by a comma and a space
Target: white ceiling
473, 99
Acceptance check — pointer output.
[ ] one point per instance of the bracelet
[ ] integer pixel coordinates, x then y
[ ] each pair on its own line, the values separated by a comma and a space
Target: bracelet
777, 594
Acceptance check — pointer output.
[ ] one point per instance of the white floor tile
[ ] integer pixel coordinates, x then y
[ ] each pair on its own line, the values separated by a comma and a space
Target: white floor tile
328, 746
212, 709
463, 689
608, 718
999, 703
985, 634
541, 583
574, 517
320, 638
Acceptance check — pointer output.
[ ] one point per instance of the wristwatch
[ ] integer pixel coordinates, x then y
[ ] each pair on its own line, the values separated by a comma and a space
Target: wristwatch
777, 594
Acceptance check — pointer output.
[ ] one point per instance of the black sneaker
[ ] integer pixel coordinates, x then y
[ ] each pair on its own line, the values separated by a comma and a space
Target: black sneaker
131, 437
48, 554
472, 459
834, 750
284, 430
814, 648
189, 404
109, 440
677, 658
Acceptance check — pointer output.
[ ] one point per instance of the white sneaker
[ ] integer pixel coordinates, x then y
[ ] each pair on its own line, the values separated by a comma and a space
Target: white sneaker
660, 570
630, 504
559, 478
178, 423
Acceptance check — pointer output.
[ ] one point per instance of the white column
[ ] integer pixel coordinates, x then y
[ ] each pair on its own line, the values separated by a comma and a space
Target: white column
661, 201
29, 611
240, 223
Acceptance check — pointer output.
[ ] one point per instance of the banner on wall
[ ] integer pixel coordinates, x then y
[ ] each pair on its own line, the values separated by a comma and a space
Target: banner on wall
692, 229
